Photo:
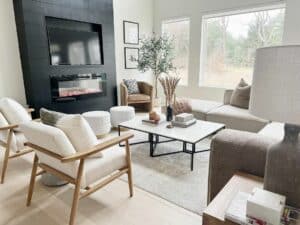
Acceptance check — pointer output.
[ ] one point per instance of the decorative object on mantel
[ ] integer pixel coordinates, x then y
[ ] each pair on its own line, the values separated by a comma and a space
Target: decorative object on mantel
131, 32
156, 54
169, 84
275, 95
130, 54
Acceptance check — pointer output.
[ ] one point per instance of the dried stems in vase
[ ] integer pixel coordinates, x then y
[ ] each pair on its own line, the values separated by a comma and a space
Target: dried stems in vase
169, 84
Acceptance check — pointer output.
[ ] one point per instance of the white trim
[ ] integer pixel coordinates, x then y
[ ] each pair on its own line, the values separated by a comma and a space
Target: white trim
174, 20
232, 12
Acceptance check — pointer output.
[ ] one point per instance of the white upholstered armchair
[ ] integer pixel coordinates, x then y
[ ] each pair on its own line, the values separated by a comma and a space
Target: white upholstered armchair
12, 140
55, 154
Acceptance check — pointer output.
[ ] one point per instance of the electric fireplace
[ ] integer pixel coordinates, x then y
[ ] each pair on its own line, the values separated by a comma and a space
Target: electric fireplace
78, 86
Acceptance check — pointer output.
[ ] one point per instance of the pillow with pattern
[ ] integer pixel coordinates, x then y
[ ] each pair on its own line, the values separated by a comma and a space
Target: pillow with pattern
132, 86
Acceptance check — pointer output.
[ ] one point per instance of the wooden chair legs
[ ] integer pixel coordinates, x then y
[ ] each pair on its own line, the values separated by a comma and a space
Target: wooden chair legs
6, 156
76, 194
129, 173
32, 179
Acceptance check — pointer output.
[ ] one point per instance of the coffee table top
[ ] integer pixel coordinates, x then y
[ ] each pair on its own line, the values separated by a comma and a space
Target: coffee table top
193, 134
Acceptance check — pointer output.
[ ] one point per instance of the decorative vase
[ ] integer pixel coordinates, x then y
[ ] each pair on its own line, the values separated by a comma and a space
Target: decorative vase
282, 174
169, 113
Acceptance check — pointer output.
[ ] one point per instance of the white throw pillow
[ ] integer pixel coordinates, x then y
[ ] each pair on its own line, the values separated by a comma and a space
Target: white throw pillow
79, 133
14, 112
4, 134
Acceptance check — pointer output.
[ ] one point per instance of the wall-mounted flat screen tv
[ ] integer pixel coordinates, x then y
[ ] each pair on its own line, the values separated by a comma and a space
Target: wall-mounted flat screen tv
72, 47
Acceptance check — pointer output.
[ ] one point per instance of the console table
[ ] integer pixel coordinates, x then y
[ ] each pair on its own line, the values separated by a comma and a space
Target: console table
214, 214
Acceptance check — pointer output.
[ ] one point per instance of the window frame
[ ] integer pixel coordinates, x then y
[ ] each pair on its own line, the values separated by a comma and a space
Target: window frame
181, 19
232, 12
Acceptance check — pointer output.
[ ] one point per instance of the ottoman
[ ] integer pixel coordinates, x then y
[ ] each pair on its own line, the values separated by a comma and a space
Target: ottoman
99, 122
121, 114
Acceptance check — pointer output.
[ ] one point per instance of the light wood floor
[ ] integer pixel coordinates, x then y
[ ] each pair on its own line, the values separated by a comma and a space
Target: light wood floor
109, 206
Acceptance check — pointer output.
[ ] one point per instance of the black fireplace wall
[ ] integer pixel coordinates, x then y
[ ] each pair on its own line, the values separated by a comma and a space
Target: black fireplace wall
33, 42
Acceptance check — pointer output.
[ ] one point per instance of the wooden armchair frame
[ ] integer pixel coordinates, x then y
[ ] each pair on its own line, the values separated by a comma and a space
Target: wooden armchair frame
7, 144
81, 156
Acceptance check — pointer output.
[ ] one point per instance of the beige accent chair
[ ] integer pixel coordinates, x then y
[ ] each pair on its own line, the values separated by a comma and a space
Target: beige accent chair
144, 100
55, 154
12, 141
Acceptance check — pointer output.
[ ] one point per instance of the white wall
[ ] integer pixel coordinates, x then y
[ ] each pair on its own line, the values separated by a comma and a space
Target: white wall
11, 78
195, 9
140, 11
292, 23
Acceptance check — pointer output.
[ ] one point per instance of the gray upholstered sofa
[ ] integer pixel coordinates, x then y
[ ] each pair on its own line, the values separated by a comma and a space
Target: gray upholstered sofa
233, 151
234, 117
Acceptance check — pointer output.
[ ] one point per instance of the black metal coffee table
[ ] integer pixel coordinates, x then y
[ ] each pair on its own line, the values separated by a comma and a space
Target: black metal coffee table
188, 136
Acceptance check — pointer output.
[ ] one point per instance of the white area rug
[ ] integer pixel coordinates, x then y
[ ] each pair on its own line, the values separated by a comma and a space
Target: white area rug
170, 177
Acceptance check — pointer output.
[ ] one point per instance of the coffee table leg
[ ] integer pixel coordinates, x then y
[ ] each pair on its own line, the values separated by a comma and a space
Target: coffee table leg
151, 142
192, 156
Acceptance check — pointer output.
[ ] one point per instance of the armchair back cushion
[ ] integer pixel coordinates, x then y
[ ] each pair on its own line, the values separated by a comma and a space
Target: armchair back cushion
4, 134
53, 139
14, 112
48, 137
79, 132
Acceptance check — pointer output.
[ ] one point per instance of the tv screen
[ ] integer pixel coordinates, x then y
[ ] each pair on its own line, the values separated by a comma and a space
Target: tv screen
72, 47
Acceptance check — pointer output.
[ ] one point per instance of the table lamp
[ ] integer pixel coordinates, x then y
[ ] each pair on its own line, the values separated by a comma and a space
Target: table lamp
275, 95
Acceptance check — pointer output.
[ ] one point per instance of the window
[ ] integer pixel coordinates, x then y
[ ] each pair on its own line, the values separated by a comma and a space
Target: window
229, 43
180, 31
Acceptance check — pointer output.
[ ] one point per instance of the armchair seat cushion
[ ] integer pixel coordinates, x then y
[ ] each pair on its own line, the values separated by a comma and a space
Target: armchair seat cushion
138, 98
236, 118
95, 169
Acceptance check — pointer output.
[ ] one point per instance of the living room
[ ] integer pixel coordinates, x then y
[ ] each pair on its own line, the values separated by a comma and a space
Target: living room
149, 111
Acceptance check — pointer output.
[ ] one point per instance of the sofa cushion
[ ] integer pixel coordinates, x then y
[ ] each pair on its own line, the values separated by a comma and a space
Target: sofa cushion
138, 97
273, 130
241, 95
14, 112
201, 107
50, 117
79, 132
236, 118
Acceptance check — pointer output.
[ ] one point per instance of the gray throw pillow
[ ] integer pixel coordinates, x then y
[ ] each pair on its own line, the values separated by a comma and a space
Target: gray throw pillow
241, 95
132, 86
50, 117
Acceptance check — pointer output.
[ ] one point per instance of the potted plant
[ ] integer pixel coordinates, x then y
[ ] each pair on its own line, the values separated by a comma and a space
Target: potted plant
169, 84
156, 54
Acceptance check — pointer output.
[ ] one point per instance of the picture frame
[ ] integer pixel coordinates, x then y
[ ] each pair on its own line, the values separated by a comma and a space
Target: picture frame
128, 53
131, 32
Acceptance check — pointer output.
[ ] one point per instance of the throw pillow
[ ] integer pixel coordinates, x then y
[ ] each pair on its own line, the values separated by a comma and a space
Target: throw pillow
182, 106
132, 86
79, 133
50, 117
14, 112
241, 95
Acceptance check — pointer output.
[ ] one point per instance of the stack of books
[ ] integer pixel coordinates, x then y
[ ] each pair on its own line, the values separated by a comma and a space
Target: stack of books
184, 120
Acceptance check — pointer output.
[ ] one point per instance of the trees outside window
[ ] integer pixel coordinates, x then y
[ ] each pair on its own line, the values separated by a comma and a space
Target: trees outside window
229, 43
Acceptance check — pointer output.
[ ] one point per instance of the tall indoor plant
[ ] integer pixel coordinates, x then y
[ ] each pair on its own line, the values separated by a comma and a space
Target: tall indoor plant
156, 54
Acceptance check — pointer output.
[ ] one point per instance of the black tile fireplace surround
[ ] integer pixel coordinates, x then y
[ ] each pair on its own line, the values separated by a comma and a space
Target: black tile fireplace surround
95, 93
